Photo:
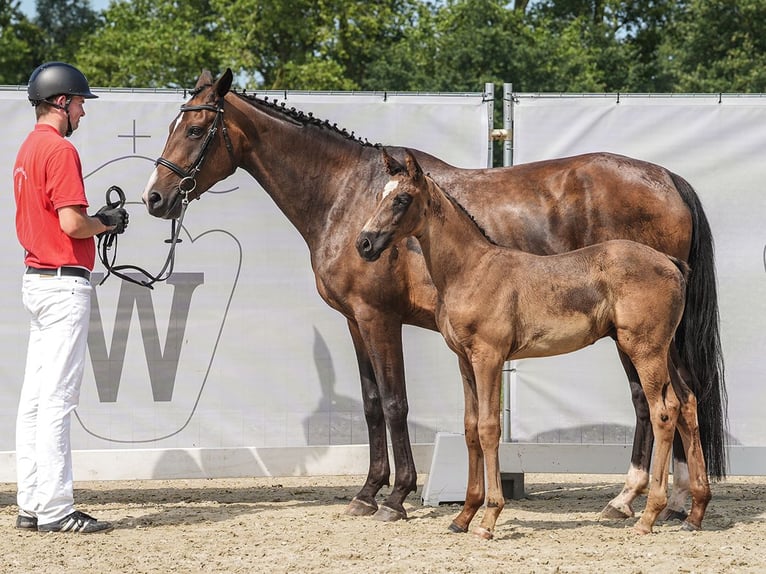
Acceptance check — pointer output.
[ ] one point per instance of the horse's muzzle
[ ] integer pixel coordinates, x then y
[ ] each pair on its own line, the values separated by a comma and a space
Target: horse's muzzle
370, 245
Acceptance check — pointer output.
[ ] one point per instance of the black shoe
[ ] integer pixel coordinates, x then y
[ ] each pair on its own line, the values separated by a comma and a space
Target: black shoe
76, 522
26, 522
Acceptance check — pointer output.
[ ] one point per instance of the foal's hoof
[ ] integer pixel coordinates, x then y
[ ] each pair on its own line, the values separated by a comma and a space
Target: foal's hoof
613, 513
360, 508
483, 533
457, 529
688, 527
669, 514
388, 514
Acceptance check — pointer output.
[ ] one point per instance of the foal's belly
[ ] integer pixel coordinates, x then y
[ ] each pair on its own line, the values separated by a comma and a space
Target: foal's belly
556, 337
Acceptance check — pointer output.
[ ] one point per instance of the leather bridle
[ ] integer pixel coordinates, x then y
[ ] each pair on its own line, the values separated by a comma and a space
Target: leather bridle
188, 181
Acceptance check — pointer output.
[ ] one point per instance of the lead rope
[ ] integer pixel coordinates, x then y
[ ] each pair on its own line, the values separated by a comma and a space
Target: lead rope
108, 241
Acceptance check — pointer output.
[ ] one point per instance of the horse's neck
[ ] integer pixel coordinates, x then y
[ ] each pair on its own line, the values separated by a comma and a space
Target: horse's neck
452, 242
305, 169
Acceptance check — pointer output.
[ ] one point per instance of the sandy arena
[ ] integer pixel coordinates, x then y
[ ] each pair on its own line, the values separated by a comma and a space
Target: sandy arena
296, 525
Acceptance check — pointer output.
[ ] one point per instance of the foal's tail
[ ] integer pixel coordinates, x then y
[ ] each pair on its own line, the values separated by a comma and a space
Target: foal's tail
698, 339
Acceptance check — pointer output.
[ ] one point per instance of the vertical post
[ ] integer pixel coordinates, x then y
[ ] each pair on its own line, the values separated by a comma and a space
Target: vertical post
508, 124
509, 369
489, 99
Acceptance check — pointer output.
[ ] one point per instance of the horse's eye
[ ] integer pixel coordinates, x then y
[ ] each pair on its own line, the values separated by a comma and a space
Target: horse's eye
195, 132
402, 200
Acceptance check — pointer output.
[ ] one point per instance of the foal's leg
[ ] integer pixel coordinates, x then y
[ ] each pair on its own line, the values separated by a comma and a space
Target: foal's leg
688, 426
664, 407
488, 377
637, 479
474, 495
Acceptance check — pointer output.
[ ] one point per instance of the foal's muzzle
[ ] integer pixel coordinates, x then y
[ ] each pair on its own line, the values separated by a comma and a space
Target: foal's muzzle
370, 244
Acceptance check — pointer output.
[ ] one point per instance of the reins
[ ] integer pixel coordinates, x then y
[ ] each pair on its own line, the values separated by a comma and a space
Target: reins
108, 241
186, 186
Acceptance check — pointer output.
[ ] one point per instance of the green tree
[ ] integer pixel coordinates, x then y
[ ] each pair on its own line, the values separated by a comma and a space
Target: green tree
151, 43
20, 40
717, 46
65, 23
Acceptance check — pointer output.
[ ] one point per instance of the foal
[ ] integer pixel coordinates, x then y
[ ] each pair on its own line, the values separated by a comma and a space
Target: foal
497, 304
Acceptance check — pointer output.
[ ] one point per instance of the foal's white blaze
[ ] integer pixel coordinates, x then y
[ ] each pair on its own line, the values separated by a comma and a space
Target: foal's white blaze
390, 186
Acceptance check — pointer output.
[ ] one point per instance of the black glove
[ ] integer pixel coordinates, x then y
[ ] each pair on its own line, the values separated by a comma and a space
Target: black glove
115, 217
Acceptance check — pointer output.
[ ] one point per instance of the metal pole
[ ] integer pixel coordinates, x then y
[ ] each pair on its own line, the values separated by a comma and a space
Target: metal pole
489, 98
509, 369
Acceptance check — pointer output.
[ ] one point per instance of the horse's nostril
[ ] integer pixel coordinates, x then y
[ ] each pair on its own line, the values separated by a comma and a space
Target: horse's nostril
154, 199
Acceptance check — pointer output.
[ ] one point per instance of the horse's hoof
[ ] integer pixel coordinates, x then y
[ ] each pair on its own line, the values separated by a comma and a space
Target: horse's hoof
458, 529
669, 514
688, 527
483, 533
613, 513
642, 530
360, 508
388, 514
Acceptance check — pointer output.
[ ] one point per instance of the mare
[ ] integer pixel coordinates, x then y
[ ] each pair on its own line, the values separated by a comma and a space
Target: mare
323, 179
497, 304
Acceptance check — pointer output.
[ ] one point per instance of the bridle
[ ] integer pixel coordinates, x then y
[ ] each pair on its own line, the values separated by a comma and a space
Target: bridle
188, 176
186, 186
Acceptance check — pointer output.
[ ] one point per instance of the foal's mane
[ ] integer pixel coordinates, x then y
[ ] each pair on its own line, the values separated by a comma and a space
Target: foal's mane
460, 207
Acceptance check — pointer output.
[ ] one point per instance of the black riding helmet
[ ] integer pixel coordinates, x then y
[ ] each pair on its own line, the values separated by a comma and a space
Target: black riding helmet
56, 78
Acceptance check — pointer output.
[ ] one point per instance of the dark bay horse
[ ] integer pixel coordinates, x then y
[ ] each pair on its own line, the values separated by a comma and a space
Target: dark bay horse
324, 181
497, 304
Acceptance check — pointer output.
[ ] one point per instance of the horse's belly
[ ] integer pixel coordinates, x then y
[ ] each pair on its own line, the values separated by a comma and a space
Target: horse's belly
557, 338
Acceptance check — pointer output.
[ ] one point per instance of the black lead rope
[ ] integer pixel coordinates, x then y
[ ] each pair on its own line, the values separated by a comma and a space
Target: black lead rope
108, 242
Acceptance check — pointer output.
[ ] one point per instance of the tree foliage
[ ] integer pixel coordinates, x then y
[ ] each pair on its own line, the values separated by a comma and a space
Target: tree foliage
426, 45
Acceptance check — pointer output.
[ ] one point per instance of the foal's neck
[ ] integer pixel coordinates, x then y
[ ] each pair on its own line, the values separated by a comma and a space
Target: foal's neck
451, 240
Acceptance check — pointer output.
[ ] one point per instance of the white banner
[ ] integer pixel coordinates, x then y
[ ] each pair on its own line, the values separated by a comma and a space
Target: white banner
717, 144
237, 349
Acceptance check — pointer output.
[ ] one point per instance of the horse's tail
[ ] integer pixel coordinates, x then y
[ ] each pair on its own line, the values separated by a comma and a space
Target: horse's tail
698, 338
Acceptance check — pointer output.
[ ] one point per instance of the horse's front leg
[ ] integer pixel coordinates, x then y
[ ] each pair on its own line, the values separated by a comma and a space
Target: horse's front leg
382, 338
364, 504
637, 479
488, 369
474, 495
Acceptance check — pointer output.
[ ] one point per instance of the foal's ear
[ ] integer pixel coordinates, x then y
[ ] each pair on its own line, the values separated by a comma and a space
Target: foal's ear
223, 85
392, 166
413, 167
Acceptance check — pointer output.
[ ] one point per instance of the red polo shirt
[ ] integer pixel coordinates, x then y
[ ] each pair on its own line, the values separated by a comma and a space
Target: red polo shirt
46, 177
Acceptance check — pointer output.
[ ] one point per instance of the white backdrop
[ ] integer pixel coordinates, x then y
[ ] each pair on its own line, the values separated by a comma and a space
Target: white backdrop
718, 146
262, 361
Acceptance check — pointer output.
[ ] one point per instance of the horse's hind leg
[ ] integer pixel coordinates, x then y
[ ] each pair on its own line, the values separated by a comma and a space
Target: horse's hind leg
688, 426
681, 486
664, 407
637, 479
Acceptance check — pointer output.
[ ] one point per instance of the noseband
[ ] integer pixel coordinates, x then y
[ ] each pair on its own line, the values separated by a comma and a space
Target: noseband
188, 181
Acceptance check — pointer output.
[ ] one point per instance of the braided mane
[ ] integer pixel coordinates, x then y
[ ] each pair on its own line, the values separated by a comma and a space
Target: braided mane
305, 119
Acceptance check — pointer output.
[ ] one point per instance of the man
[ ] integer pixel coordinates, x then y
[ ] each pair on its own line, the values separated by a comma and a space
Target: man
57, 235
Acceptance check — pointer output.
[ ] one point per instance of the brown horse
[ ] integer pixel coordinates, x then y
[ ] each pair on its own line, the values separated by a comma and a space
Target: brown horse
321, 177
497, 304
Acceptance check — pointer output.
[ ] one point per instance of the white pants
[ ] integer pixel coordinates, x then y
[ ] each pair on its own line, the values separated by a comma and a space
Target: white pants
58, 336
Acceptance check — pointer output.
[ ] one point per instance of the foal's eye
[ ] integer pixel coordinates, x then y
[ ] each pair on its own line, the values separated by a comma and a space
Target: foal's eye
402, 200
195, 132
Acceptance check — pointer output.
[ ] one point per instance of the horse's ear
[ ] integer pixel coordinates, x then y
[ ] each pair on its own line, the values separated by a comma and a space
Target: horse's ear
413, 167
392, 166
223, 85
205, 79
